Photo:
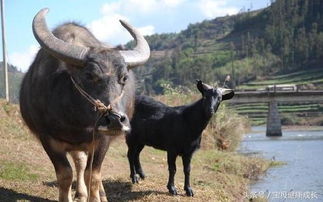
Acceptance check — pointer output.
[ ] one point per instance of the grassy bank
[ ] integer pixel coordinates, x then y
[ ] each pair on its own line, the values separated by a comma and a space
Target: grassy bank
26, 174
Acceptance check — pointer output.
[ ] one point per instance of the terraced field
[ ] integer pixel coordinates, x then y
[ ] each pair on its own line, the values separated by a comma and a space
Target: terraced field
290, 113
314, 76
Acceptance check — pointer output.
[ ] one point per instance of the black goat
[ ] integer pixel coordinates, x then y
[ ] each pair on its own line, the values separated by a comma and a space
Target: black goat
176, 130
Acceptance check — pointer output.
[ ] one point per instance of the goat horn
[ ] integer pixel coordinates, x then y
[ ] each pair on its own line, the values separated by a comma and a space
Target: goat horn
140, 54
58, 48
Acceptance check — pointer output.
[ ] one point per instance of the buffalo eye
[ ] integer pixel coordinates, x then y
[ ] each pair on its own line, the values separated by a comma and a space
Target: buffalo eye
123, 79
92, 72
89, 76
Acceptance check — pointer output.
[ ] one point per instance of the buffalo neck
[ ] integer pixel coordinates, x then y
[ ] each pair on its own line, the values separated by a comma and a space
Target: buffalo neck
77, 109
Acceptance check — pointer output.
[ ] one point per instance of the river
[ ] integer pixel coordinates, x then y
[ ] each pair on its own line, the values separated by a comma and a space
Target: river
301, 178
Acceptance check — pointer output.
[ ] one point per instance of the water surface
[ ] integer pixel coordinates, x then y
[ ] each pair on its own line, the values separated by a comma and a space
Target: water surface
301, 179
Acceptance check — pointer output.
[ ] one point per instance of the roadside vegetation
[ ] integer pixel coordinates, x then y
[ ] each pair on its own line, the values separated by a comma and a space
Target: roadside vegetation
26, 173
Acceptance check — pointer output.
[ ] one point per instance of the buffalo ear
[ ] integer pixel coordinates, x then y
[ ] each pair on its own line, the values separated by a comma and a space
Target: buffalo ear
227, 93
199, 86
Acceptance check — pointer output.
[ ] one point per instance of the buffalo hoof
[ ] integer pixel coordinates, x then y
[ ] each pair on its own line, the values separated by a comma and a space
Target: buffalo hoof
80, 199
134, 179
172, 190
103, 196
103, 199
189, 191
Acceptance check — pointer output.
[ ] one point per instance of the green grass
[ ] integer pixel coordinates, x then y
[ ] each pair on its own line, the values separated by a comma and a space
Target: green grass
285, 109
277, 163
251, 110
16, 171
235, 164
281, 106
243, 107
258, 121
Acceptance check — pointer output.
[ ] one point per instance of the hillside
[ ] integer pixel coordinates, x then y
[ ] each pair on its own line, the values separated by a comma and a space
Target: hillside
15, 78
253, 46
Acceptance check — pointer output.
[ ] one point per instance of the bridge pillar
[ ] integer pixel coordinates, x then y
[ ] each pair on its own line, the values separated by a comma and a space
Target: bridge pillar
274, 127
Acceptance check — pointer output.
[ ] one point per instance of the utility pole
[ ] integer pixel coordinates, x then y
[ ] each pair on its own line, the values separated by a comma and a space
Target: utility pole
233, 79
4, 53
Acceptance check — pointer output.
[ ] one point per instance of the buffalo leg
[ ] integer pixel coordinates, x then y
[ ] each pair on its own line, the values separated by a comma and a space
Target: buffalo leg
80, 161
62, 167
187, 169
171, 160
137, 162
97, 192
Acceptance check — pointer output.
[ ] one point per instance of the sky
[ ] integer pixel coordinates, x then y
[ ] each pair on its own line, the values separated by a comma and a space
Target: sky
102, 18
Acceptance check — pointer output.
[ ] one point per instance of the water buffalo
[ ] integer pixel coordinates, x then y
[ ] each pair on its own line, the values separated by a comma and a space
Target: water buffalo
71, 69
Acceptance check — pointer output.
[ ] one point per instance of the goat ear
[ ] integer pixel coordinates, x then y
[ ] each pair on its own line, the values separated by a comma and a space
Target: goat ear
199, 86
227, 93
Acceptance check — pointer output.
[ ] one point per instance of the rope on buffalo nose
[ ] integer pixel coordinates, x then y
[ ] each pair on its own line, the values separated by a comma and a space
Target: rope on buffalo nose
92, 155
98, 105
103, 110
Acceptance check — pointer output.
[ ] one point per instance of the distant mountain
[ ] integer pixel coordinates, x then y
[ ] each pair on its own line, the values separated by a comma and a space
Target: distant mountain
282, 38
15, 78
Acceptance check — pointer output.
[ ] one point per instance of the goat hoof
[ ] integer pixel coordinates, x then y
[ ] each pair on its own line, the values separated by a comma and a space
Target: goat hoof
189, 191
134, 179
172, 190
142, 176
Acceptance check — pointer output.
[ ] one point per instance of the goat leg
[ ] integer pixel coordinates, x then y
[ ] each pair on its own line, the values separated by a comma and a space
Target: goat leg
187, 169
171, 160
131, 159
137, 162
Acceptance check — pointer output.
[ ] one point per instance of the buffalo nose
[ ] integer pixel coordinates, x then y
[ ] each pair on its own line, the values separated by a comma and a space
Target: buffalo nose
116, 121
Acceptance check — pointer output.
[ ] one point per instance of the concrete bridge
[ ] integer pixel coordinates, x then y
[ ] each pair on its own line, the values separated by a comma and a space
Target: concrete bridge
273, 97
